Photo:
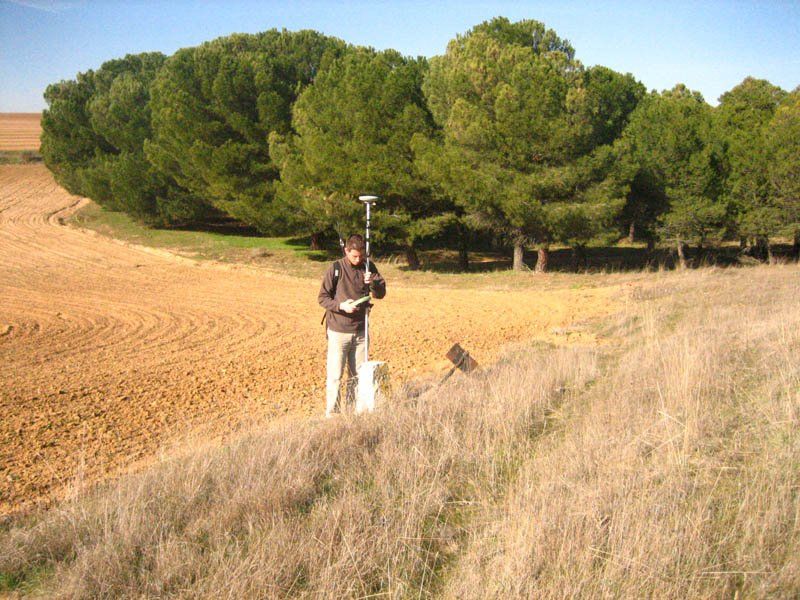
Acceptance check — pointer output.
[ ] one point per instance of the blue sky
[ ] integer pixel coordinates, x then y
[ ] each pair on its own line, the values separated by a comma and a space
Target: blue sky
708, 45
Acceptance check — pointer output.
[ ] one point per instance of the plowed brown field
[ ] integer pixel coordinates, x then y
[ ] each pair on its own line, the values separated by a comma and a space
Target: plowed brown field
20, 131
108, 351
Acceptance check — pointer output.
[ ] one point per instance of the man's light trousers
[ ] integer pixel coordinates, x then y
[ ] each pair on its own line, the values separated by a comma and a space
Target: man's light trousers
343, 348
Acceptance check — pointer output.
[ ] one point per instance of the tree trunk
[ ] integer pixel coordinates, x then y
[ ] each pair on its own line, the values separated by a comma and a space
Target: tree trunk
770, 255
316, 241
632, 232
681, 255
411, 258
796, 246
762, 248
651, 245
463, 249
519, 254
579, 258
463, 259
542, 257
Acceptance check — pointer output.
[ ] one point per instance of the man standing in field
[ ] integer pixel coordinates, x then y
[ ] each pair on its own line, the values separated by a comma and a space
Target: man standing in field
345, 282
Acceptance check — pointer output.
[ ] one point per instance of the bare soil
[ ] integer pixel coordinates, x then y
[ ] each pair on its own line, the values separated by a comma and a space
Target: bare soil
20, 131
109, 351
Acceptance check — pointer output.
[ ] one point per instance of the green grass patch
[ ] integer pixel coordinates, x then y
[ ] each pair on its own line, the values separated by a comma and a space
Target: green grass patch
8, 582
27, 582
19, 157
283, 253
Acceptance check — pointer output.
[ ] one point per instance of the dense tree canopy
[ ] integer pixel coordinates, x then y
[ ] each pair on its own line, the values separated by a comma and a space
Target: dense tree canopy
782, 141
121, 178
519, 118
68, 140
742, 118
671, 152
215, 106
93, 140
353, 127
504, 136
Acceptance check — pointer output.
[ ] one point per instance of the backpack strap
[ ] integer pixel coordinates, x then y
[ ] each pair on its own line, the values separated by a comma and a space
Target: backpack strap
336, 267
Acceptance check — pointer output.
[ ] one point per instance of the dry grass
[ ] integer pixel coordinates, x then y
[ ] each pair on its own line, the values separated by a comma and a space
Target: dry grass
667, 466
677, 475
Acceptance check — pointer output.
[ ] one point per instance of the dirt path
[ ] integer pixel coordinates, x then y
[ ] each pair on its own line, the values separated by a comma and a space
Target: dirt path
109, 351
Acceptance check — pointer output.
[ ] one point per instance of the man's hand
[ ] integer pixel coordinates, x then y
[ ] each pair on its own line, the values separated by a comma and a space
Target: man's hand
347, 306
367, 277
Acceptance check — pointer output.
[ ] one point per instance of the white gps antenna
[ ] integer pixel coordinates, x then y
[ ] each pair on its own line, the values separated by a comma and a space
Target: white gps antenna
372, 374
368, 202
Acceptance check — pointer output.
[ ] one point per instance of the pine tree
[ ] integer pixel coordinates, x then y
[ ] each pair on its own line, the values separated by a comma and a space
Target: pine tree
782, 140
68, 140
520, 118
94, 135
354, 125
214, 108
741, 118
671, 148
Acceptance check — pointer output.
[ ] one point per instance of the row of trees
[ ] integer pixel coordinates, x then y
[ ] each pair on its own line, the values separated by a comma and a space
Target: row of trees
505, 136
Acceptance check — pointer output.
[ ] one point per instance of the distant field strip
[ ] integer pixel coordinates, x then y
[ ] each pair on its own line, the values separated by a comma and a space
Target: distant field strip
20, 131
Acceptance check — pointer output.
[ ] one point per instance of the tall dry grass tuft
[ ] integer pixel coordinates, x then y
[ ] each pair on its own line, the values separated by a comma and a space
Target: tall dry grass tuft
666, 464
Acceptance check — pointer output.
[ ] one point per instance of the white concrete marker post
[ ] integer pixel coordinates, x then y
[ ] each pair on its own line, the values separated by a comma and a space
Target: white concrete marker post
372, 374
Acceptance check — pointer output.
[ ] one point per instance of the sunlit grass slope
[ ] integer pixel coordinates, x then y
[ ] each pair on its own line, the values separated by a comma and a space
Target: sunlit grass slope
664, 464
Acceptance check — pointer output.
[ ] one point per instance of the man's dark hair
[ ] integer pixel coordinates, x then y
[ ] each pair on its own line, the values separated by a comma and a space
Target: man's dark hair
355, 242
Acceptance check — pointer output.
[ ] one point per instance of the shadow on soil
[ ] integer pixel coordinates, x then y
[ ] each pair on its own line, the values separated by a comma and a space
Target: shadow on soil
602, 259
222, 225
565, 260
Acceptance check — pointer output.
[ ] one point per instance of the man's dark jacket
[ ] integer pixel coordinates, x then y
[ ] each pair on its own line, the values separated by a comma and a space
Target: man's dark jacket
350, 286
